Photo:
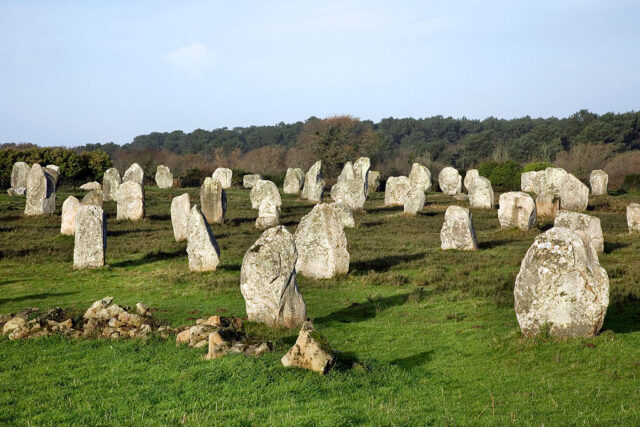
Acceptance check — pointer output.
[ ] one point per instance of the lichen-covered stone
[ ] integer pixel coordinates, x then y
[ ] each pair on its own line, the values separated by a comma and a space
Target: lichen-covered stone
180, 208
293, 181
134, 174
41, 192
420, 177
599, 180
310, 351
90, 237
361, 169
586, 226
264, 189
345, 214
450, 181
110, 184
19, 174
268, 214
633, 217
249, 181
93, 185
396, 190
517, 209
17, 191
457, 230
93, 197
374, 181
481, 193
224, 175
414, 201
352, 188
69, 215
562, 286
347, 172
130, 200
547, 205
571, 192
164, 177
469, 177
54, 172
213, 200
202, 247
313, 189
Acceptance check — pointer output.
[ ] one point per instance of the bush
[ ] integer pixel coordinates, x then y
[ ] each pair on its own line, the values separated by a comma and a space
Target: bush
536, 166
192, 178
631, 183
486, 168
506, 175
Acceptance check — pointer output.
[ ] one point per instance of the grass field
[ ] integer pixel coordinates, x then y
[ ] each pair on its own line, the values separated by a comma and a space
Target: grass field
425, 336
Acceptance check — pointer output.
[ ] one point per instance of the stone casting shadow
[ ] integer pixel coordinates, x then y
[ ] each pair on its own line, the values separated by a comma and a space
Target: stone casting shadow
414, 361
150, 257
358, 312
384, 263
35, 297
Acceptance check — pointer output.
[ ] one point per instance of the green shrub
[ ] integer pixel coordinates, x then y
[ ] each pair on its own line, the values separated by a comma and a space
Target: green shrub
506, 175
536, 166
631, 183
192, 178
486, 168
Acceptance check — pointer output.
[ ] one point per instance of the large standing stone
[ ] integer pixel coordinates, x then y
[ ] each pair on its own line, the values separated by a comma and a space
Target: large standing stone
93, 197
164, 177
69, 215
293, 181
480, 193
19, 175
213, 200
420, 177
130, 200
571, 192
414, 201
134, 174
599, 180
180, 208
396, 190
352, 188
224, 175
310, 352
91, 237
54, 171
110, 184
586, 226
264, 190
268, 214
41, 192
313, 183
345, 214
374, 181
202, 248
561, 285
547, 205
574, 195
469, 177
268, 280
249, 181
532, 182
347, 172
457, 230
361, 169
517, 209
633, 217
321, 244
450, 181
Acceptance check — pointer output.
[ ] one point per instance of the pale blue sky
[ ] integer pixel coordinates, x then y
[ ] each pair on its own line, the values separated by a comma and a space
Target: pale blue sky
76, 72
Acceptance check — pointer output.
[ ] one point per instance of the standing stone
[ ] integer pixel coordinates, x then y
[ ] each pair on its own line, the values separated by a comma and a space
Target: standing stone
55, 168
268, 214
599, 180
561, 285
93, 185
517, 209
450, 181
264, 190
69, 215
547, 205
352, 188
321, 244
420, 177
202, 248
414, 201
164, 177
110, 184
396, 190
571, 192
93, 197
268, 280
374, 181
532, 182
223, 175
54, 172
469, 177
134, 174
574, 195
249, 181
180, 207
457, 230
633, 217
345, 214
130, 200
19, 175
361, 173
91, 237
41, 192
480, 193
213, 200
586, 226
293, 181
347, 173
313, 183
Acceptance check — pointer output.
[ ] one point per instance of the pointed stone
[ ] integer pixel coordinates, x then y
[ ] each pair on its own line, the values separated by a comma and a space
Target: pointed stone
134, 174
202, 248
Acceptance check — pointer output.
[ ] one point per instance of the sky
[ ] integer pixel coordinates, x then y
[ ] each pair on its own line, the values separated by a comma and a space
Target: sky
78, 72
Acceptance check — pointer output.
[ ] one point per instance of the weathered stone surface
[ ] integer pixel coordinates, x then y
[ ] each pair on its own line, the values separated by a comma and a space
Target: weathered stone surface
268, 214
321, 244
202, 247
19, 175
90, 237
414, 201
573, 194
532, 182
547, 205
352, 188
599, 180
396, 190
164, 177
110, 184
633, 217
347, 172
135, 174
180, 208
457, 230
420, 177
293, 181
93, 197
93, 185
264, 190
374, 181
469, 177
224, 175
361, 169
268, 280
450, 181
54, 168
561, 284
311, 351
130, 200
17, 191
313, 183
345, 214
69, 214
480, 193
41, 192
586, 226
249, 181
213, 200
517, 209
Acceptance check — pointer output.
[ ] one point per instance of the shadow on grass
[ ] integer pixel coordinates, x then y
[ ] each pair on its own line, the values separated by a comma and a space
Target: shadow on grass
358, 312
384, 209
623, 318
163, 217
230, 267
493, 244
384, 263
610, 247
35, 296
414, 361
116, 233
149, 257
239, 221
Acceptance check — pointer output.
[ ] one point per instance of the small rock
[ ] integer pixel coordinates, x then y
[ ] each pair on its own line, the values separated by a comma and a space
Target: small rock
311, 351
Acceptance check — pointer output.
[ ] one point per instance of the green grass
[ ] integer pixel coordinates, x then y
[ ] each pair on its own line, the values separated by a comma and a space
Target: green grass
425, 336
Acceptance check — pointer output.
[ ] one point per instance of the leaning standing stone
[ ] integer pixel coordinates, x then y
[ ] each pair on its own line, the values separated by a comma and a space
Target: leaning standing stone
248, 181
457, 230
633, 217
517, 209
321, 244
213, 200
202, 248
345, 214
450, 181
41, 192
19, 175
268, 280
293, 181
164, 177
180, 207
91, 237
93, 197
562, 286
374, 181
224, 175
110, 184
586, 226
314, 184
268, 214
264, 190
134, 174
599, 180
69, 215
480, 193
130, 201
469, 177
414, 201
420, 177
396, 190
